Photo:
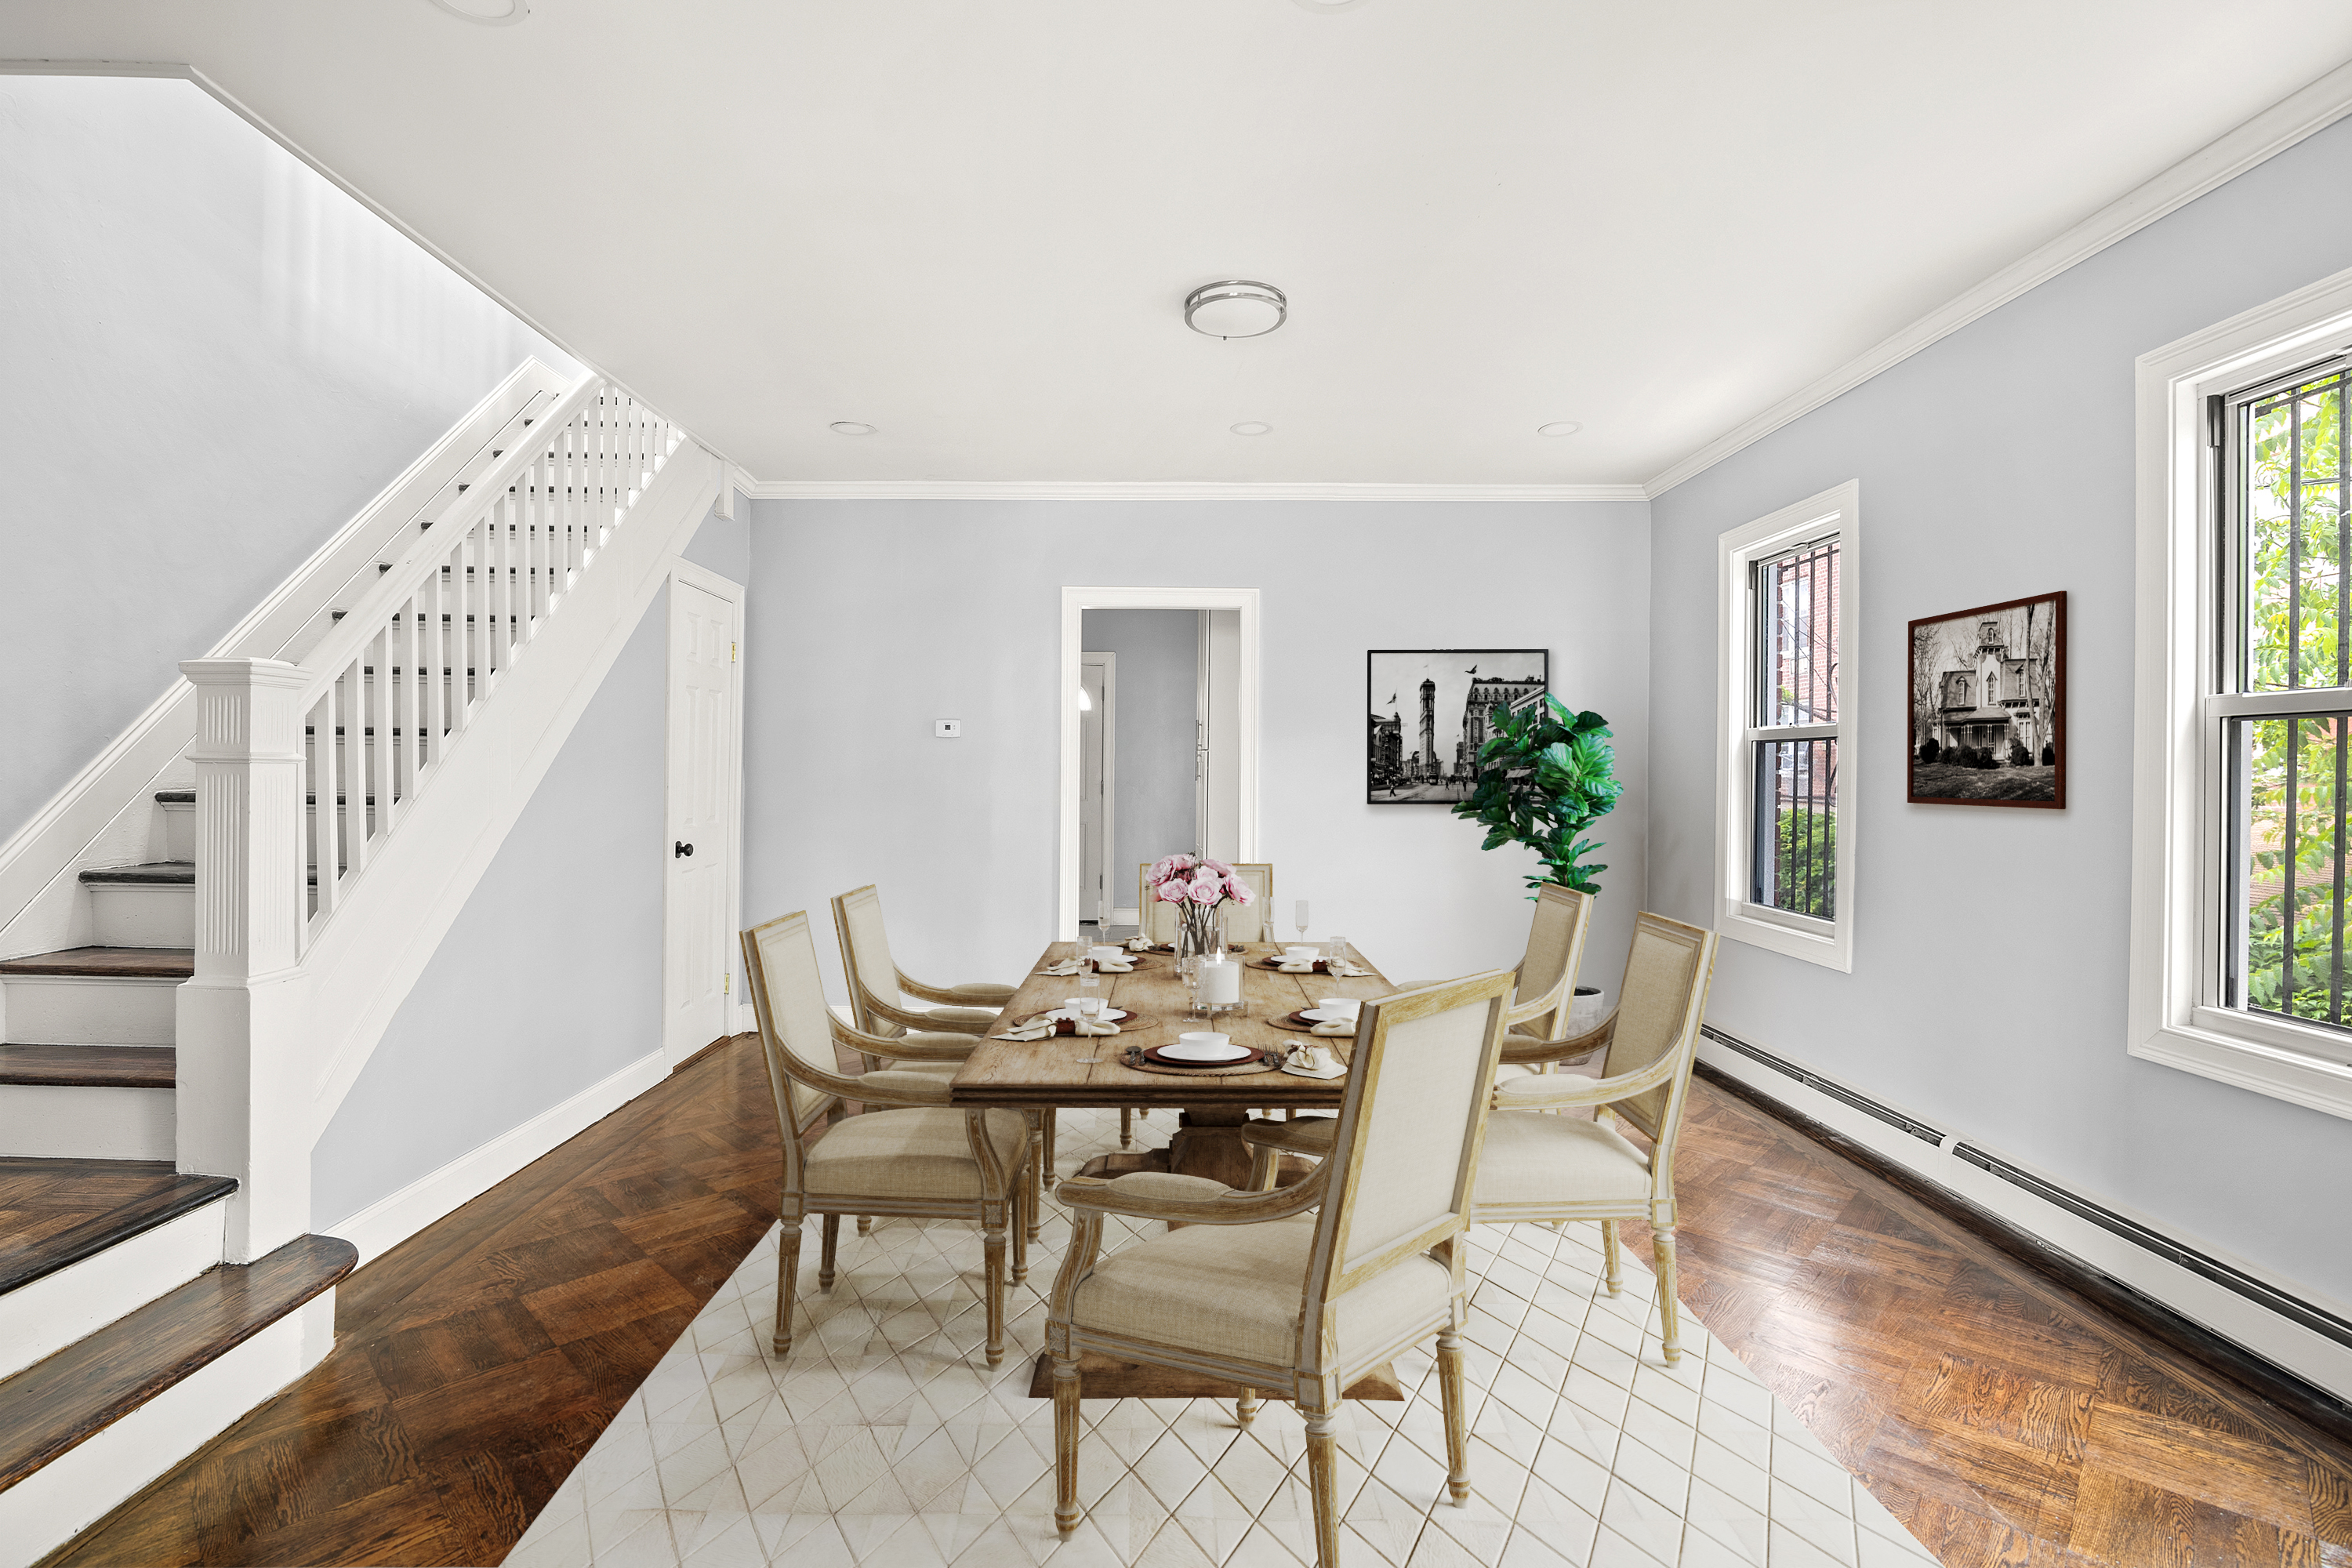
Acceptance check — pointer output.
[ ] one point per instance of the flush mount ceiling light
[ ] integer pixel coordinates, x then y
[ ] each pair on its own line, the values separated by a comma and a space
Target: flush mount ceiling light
1236, 308
1558, 427
850, 427
489, 12
1250, 427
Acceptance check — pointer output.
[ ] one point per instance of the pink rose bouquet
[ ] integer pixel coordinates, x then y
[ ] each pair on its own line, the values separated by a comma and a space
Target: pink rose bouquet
1196, 887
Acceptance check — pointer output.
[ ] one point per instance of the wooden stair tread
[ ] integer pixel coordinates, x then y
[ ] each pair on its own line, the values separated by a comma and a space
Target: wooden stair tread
154, 874
91, 1067
109, 962
54, 1213
54, 1405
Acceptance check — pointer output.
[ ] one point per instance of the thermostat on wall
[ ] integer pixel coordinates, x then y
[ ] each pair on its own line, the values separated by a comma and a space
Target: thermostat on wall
947, 728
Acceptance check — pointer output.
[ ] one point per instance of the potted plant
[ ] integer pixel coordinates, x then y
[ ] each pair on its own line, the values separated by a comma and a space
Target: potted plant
1544, 776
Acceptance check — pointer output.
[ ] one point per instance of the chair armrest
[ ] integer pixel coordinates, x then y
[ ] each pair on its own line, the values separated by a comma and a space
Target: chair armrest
1559, 1092
1153, 1195
975, 994
923, 1021
924, 1047
1311, 1136
1529, 1054
975, 1020
1537, 1006
902, 1088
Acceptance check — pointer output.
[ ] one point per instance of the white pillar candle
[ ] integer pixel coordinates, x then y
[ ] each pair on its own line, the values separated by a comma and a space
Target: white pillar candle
1221, 983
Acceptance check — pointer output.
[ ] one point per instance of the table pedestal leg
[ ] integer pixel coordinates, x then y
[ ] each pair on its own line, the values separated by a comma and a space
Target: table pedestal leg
1208, 1142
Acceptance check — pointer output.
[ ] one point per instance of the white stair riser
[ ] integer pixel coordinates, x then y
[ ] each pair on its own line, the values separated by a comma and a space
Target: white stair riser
76, 1010
48, 1507
45, 1316
179, 830
59, 1122
144, 915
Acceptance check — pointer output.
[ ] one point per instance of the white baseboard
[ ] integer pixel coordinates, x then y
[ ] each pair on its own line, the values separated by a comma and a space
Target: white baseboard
389, 1221
2312, 1356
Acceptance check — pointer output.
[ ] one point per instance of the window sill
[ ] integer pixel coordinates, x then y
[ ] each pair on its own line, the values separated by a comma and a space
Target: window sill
1829, 945
2218, 1046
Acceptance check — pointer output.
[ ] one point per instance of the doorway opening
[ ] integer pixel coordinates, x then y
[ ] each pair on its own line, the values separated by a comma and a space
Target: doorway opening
1159, 703
700, 892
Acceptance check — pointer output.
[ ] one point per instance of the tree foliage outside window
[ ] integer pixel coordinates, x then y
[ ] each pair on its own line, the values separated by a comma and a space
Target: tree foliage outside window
2294, 768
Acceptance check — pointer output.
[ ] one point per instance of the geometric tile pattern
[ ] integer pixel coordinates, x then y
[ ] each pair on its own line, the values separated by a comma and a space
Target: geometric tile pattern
883, 1438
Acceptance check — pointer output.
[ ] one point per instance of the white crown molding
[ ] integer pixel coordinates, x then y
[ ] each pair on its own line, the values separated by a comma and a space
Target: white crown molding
1168, 490
2301, 114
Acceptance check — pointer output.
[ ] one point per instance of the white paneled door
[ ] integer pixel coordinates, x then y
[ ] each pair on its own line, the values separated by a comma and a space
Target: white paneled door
700, 851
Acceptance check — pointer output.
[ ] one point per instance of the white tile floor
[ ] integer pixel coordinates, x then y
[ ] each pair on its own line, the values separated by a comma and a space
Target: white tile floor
883, 1438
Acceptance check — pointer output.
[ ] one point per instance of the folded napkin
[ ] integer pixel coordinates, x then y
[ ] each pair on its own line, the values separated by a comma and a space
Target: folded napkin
1296, 1062
1065, 966
1140, 944
1338, 968
1345, 1028
1113, 967
1046, 1028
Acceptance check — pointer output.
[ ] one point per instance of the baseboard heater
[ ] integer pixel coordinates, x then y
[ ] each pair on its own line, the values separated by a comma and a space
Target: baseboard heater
2319, 1320
1830, 1087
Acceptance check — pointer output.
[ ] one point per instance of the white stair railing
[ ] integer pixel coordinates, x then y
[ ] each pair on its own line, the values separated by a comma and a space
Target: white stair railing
391, 690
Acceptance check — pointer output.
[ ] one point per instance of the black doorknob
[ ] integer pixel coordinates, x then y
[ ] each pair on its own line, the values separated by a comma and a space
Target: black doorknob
681, 848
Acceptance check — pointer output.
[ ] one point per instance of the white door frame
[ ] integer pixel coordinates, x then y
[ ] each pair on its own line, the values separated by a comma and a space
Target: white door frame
1076, 602
685, 573
1108, 721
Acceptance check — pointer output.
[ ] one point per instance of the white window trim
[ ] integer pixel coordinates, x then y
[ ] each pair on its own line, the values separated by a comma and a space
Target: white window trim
2175, 924
1826, 943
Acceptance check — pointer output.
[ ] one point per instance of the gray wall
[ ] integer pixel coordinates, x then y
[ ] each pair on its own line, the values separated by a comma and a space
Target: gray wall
1158, 712
214, 358
551, 978
869, 620
1990, 965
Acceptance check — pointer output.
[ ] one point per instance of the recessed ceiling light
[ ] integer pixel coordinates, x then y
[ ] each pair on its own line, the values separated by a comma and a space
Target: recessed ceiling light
1328, 5
1236, 308
489, 12
1558, 427
1251, 427
850, 427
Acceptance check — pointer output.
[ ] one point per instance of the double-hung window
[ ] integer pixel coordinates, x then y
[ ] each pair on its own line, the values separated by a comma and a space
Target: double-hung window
1786, 754
2242, 911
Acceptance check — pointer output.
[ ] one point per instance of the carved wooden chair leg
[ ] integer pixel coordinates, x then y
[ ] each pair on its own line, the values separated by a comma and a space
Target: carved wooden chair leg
788, 1273
993, 1216
1065, 1444
1457, 1426
1045, 1161
1035, 1175
1323, 1483
1246, 1407
865, 1225
1024, 1216
830, 1248
1125, 1126
1610, 1250
1670, 1329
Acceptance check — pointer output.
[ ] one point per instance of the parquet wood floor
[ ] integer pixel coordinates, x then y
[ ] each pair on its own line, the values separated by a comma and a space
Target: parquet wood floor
478, 1361
2002, 1418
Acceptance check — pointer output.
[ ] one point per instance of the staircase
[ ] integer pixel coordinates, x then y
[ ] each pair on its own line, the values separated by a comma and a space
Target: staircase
164, 1073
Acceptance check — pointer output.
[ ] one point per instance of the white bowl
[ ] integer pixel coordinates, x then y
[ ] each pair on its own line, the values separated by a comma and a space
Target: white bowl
1204, 1048
1339, 1006
1301, 955
1100, 954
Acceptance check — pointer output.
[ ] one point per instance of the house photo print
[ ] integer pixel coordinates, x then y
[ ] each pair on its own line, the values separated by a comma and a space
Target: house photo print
1988, 705
1430, 711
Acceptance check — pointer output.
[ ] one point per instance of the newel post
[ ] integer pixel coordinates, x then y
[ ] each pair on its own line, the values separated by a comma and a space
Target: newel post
243, 1092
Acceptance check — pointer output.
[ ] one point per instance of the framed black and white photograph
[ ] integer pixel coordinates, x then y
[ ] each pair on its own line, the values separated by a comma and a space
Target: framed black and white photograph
1429, 714
1988, 705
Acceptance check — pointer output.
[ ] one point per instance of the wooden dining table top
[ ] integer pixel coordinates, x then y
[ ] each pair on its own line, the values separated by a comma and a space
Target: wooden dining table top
1047, 1072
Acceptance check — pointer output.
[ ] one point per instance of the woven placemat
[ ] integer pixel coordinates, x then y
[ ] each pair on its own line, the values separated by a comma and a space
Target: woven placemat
1133, 1057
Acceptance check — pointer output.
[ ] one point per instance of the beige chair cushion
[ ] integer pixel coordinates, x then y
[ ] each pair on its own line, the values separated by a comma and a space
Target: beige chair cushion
914, 1079
983, 994
963, 1014
1534, 1158
1237, 1290
916, 1153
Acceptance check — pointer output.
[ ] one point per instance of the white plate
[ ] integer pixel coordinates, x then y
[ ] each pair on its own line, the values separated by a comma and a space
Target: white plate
1224, 1053
1114, 1015
1323, 1015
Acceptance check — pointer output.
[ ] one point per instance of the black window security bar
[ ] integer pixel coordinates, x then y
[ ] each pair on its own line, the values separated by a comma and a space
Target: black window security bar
1794, 708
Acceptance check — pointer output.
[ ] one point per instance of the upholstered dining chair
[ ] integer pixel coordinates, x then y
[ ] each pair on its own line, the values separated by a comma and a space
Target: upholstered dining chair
1256, 1292
1252, 921
1545, 982
1549, 1168
908, 1153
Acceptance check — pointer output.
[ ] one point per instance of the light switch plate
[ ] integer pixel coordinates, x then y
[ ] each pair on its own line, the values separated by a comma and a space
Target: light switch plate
947, 728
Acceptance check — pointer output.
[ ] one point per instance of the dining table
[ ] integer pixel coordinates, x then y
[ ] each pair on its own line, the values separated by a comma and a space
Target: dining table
1210, 1110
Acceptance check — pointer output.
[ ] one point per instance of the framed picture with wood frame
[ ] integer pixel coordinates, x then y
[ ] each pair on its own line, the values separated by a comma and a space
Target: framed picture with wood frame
1988, 705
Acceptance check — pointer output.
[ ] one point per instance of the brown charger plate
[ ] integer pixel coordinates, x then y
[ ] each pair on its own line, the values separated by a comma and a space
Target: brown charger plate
1139, 1059
1304, 1025
1275, 965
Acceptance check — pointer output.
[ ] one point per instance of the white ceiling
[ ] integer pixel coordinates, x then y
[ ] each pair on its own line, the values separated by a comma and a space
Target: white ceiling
970, 223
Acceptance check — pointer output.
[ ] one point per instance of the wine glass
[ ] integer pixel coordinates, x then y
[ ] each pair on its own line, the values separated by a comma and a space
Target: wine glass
1299, 919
